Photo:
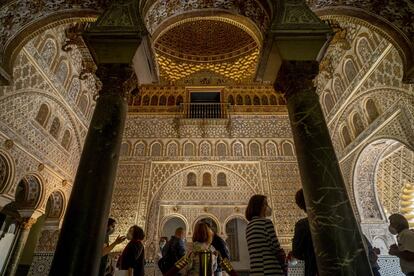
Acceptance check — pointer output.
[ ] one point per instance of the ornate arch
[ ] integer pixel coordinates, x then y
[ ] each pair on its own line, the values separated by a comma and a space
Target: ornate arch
164, 220
58, 205
22, 20
7, 171
33, 193
65, 110
391, 21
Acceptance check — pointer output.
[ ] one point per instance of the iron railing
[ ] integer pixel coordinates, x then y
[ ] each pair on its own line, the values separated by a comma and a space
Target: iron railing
204, 110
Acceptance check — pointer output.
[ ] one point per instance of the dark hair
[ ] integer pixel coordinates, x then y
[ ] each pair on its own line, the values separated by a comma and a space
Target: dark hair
111, 221
255, 206
201, 233
179, 231
300, 200
399, 222
137, 233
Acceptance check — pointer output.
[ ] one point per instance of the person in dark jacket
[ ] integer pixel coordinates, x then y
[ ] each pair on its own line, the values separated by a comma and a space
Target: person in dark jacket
133, 257
105, 267
302, 245
220, 245
175, 248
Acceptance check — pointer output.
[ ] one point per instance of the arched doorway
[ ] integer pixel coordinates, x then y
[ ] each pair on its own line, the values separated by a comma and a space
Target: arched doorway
171, 225
383, 185
27, 198
236, 241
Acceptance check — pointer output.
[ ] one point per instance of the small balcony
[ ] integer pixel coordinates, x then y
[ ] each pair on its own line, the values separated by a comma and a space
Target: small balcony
204, 110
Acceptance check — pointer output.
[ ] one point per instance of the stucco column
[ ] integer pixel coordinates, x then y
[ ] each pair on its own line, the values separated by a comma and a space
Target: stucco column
79, 249
335, 231
25, 227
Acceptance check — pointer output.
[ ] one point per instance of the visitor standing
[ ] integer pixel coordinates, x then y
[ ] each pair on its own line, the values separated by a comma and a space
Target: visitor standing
302, 245
221, 246
404, 250
202, 239
267, 258
132, 258
173, 251
105, 266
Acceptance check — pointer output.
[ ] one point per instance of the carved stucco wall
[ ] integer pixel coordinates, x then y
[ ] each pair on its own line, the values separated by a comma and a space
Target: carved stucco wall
44, 74
375, 76
151, 187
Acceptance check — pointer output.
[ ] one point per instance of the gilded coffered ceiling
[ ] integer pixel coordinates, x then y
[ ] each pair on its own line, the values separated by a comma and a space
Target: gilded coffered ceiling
214, 44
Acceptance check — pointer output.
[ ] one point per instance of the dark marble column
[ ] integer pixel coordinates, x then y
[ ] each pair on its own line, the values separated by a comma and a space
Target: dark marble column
79, 249
335, 231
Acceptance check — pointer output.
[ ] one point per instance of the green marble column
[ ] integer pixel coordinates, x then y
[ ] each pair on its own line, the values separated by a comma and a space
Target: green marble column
79, 249
335, 231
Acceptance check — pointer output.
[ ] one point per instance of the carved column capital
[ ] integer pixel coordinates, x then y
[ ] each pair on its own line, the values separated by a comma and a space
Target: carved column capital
27, 223
296, 77
113, 77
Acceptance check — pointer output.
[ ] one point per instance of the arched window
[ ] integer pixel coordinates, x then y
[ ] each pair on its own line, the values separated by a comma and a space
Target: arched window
139, 149
137, 100
206, 179
364, 50
239, 100
74, 89
255, 149
124, 149
221, 179
55, 127
357, 124
163, 100
66, 139
222, 149
282, 100
171, 100
154, 100
256, 100
371, 110
83, 103
271, 149
328, 102
350, 70
265, 101
62, 72
179, 100
237, 149
346, 138
230, 99
191, 179
43, 114
247, 100
338, 87
188, 149
146, 100
49, 51
273, 100
287, 149
156, 149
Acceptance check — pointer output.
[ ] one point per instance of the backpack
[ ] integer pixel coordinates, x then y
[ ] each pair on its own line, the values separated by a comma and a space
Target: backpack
167, 262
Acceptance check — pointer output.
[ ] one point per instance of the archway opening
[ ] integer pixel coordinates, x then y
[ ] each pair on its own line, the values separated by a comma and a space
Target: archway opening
383, 185
171, 225
236, 241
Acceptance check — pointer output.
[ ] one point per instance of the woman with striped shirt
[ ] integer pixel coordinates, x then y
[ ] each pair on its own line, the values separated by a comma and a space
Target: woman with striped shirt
266, 255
